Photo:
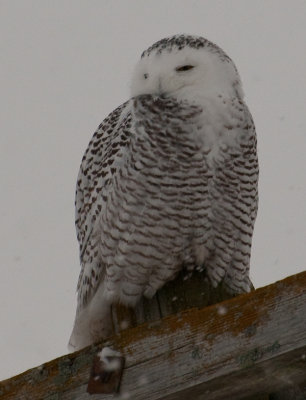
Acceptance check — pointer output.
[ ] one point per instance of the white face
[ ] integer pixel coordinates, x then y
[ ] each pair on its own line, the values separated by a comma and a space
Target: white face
184, 74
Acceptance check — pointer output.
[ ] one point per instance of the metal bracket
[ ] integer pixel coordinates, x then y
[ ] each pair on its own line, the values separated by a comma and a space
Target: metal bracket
103, 379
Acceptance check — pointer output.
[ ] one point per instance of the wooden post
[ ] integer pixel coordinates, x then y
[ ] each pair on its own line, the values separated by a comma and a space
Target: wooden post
251, 347
183, 293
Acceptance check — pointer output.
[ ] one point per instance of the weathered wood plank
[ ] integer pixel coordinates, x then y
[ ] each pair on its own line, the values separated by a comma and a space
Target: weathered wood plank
251, 345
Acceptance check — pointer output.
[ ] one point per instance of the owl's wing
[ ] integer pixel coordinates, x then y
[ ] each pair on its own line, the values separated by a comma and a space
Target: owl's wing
244, 169
103, 155
235, 198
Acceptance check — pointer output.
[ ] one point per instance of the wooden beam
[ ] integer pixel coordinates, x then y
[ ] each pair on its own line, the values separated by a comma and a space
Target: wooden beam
248, 346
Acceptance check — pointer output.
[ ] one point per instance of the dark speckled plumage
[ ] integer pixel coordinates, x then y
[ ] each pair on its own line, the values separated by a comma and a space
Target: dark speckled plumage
165, 184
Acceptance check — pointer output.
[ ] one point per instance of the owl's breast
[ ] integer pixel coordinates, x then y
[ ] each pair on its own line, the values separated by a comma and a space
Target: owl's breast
157, 218
168, 199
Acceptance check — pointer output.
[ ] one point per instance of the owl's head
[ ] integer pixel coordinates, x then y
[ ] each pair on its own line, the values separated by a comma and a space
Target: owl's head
185, 67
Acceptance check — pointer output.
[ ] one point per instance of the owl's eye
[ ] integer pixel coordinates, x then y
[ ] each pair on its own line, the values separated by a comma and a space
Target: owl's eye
184, 68
146, 76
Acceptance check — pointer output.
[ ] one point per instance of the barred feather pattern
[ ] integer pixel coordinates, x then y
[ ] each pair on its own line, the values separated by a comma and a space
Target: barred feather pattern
158, 194
168, 183
100, 161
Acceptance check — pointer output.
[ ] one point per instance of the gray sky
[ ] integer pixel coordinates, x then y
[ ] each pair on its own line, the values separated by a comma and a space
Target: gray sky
65, 64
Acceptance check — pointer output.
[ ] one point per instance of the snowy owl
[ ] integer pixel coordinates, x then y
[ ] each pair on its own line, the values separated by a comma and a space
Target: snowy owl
168, 182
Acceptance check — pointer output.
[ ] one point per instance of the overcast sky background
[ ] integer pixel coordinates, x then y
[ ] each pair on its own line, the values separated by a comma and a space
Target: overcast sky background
65, 64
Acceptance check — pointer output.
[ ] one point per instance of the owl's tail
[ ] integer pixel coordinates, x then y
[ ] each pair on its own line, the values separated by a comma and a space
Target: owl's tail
92, 323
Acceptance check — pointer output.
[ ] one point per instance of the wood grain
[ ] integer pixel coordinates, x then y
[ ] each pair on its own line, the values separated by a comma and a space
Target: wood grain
251, 347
